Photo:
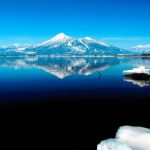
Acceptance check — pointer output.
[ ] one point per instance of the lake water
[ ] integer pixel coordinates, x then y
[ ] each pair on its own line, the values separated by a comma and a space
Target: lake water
76, 102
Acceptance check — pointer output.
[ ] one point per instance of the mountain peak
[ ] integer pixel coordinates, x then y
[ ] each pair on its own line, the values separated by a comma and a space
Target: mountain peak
62, 34
89, 39
59, 38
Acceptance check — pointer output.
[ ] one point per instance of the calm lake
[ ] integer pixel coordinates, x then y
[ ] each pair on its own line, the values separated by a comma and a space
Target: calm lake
69, 103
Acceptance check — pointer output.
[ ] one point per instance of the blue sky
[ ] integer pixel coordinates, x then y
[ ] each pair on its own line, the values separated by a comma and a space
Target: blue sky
123, 23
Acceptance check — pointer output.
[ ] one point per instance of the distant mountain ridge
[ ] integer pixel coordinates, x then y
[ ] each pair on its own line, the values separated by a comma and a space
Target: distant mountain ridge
141, 49
63, 45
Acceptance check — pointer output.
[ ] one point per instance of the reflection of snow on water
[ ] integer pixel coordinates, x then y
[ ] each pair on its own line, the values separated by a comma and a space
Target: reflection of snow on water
61, 67
140, 83
128, 138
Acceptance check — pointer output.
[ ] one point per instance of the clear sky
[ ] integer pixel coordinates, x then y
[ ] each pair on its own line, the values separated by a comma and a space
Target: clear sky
124, 23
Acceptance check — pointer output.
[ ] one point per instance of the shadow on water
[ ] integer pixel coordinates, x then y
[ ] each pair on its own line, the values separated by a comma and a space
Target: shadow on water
84, 110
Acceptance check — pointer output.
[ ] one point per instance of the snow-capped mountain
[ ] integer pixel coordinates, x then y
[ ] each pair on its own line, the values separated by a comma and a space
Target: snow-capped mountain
62, 44
13, 50
58, 39
141, 49
88, 40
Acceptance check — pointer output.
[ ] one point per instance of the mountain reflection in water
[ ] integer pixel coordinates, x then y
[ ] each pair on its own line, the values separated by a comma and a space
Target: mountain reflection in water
78, 101
61, 67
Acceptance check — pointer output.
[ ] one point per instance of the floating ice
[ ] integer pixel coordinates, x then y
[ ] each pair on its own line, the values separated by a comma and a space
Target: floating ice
112, 144
128, 138
138, 76
139, 70
137, 138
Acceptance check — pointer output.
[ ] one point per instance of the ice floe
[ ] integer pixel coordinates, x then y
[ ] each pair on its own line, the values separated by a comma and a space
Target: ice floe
128, 138
139, 70
138, 76
112, 144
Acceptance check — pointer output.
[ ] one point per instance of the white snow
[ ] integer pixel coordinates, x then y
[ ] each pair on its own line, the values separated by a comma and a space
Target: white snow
90, 40
87, 71
141, 49
80, 40
137, 138
60, 38
18, 47
112, 144
30, 53
78, 48
128, 138
59, 74
142, 46
72, 43
69, 44
21, 48
138, 70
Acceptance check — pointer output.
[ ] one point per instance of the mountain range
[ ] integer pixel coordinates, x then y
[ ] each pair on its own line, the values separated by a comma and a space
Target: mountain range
141, 49
63, 45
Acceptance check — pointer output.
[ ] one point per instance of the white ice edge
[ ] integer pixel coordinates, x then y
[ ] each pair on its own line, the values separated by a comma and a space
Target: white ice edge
138, 70
128, 138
